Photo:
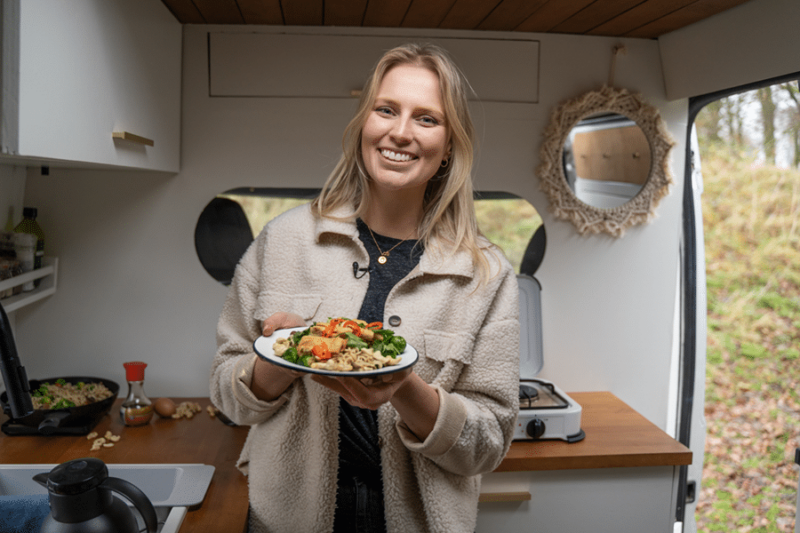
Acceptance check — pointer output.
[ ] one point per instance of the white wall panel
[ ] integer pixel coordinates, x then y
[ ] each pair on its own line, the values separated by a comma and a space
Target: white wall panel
754, 41
131, 286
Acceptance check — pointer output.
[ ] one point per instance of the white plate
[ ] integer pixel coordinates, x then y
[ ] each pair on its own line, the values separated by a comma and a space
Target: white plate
263, 347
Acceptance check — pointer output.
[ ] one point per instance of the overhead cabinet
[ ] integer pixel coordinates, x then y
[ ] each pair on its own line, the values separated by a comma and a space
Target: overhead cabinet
91, 82
281, 65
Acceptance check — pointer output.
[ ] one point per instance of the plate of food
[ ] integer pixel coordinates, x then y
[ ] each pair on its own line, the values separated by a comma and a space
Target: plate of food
340, 346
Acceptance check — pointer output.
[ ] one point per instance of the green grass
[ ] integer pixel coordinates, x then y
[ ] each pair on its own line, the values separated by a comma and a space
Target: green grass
508, 223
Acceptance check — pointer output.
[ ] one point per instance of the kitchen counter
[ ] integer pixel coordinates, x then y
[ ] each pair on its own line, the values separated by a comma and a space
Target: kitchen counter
201, 439
616, 436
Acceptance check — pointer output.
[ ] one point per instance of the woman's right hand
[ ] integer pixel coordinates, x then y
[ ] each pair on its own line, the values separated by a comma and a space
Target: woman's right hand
270, 381
281, 321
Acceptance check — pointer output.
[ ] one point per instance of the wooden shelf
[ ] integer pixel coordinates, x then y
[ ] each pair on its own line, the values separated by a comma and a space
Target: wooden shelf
48, 274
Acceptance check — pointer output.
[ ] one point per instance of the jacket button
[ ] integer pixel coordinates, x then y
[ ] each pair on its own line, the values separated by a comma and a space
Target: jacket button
380, 442
394, 321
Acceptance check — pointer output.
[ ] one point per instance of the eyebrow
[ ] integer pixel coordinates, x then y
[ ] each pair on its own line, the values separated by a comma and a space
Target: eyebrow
417, 110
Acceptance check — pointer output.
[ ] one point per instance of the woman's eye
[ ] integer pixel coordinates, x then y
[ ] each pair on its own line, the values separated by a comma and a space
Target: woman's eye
384, 110
429, 121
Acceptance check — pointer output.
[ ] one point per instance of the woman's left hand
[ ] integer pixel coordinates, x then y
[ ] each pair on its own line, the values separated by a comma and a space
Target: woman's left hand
367, 392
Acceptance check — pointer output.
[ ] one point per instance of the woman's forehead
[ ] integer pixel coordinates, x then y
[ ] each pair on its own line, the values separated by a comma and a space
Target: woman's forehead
412, 83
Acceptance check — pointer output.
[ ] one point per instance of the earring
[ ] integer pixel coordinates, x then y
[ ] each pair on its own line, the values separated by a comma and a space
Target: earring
445, 162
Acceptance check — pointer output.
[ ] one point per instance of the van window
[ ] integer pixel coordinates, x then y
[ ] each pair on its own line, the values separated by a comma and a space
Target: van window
510, 222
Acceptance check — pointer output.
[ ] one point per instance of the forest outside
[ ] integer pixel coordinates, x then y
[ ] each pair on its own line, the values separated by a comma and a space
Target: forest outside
751, 215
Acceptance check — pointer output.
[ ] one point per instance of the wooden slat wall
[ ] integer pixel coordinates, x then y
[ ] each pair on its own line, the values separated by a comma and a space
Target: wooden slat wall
261, 12
467, 14
594, 15
344, 12
629, 18
224, 11
385, 13
428, 14
683, 17
509, 14
551, 14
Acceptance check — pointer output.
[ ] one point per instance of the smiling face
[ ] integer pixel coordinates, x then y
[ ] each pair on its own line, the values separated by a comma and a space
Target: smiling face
405, 137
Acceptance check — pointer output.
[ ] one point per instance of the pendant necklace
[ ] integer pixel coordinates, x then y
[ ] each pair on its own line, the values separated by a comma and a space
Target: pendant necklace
385, 255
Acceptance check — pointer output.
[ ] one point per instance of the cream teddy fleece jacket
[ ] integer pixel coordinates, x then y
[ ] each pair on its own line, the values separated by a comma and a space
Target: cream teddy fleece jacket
467, 336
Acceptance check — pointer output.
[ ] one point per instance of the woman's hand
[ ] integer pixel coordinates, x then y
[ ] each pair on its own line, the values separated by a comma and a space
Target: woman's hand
416, 402
281, 321
270, 381
367, 393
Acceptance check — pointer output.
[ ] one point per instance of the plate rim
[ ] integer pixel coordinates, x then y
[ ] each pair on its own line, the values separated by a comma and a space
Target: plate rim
275, 360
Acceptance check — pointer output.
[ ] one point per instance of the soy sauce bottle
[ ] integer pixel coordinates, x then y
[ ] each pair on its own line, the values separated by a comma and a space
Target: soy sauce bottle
137, 409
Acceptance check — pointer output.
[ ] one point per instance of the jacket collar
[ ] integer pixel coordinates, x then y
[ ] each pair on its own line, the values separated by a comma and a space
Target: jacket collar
433, 261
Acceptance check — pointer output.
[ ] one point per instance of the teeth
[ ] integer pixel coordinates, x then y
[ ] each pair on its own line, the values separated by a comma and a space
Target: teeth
395, 156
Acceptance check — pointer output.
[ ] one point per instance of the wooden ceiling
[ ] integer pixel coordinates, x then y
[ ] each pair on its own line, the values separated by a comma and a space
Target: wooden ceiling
646, 19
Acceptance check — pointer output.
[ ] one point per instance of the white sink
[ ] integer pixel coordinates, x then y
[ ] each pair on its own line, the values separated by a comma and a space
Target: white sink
172, 488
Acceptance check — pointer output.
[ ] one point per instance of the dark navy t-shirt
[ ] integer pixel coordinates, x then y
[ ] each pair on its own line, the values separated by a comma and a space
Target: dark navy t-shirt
359, 452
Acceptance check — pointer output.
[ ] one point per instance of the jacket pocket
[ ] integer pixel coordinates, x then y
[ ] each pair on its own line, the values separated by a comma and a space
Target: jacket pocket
270, 302
446, 353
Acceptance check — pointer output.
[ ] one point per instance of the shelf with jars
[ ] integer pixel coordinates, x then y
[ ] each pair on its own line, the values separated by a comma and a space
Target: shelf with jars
46, 285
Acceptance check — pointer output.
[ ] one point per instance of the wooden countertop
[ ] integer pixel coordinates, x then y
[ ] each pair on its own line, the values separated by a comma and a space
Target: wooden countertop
201, 439
616, 436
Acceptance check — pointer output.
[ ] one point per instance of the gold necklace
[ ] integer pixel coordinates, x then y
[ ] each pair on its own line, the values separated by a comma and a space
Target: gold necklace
385, 255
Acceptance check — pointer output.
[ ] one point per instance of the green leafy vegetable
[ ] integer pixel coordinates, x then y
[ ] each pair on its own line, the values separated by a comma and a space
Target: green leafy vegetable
290, 355
63, 404
354, 341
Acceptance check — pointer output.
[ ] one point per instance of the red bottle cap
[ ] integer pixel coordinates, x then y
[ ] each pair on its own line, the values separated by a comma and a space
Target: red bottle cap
134, 370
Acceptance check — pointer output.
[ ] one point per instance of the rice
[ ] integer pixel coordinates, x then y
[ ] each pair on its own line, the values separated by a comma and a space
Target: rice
61, 395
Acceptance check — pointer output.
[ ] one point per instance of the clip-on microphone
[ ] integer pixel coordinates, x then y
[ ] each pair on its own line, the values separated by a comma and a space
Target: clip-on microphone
356, 270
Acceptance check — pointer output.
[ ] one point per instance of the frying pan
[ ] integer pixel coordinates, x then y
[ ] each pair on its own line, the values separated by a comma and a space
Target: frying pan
48, 420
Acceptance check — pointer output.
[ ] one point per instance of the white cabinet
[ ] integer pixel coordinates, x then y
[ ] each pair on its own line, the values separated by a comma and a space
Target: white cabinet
75, 73
606, 500
265, 65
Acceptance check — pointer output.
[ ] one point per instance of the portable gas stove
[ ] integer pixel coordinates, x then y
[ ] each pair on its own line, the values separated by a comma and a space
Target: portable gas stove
545, 411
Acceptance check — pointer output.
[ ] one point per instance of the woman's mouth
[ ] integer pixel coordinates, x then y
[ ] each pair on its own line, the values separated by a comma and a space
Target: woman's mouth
398, 157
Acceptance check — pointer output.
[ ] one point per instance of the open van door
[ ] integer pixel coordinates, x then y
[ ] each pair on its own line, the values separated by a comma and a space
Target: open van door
744, 48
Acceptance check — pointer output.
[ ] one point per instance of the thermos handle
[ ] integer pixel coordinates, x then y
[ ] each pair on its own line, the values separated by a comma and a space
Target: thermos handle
137, 497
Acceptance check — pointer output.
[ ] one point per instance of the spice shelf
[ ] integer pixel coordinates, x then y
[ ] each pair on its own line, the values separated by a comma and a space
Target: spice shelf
48, 274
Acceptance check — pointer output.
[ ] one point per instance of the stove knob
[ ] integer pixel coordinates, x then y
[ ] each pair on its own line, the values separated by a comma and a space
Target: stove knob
535, 428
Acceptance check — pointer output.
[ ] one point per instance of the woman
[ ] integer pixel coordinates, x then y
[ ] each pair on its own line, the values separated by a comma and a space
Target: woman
393, 238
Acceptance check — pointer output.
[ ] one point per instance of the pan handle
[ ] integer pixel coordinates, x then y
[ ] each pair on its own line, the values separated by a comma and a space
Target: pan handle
51, 422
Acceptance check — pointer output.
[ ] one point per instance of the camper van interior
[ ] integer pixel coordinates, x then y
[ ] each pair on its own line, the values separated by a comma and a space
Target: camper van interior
156, 137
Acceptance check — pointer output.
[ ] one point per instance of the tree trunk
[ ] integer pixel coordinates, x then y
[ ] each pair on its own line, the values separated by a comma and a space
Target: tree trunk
732, 116
794, 119
708, 122
768, 123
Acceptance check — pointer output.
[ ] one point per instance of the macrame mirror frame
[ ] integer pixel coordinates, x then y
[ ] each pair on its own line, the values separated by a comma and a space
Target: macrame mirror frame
564, 203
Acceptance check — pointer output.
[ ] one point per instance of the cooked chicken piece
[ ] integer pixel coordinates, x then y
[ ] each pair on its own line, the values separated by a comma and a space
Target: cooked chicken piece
280, 347
335, 344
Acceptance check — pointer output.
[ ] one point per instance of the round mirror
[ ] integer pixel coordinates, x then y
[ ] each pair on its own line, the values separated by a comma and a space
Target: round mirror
604, 161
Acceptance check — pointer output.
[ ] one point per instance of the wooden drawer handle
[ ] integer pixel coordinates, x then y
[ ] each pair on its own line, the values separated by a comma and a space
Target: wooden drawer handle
504, 497
132, 138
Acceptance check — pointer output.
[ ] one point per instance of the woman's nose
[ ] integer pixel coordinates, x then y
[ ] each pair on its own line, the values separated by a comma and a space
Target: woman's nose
401, 131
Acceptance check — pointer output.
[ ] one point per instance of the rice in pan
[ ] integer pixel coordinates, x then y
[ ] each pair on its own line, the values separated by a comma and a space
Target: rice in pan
62, 395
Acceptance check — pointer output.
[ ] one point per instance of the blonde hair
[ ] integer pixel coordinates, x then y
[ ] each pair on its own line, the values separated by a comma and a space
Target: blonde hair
448, 208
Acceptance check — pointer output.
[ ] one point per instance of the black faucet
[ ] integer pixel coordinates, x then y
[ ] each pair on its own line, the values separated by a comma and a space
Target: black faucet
14, 376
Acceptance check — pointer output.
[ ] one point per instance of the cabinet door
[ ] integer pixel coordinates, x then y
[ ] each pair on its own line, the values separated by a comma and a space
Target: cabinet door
88, 68
280, 65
